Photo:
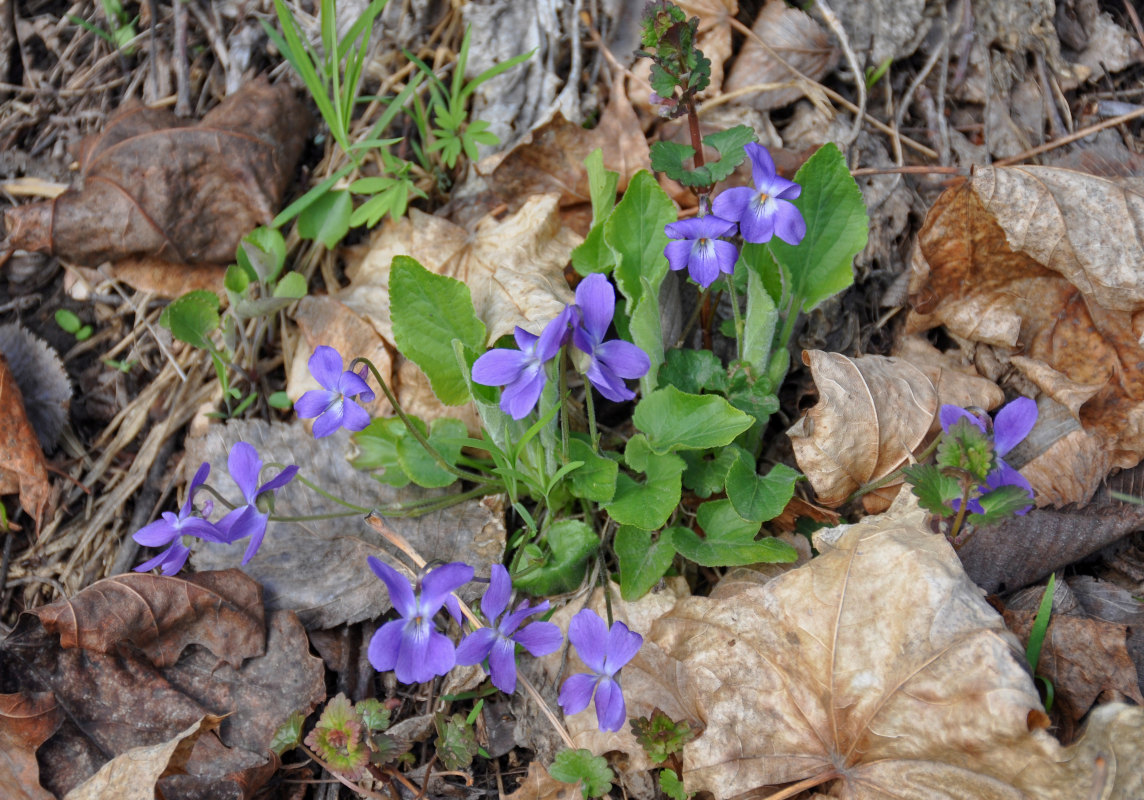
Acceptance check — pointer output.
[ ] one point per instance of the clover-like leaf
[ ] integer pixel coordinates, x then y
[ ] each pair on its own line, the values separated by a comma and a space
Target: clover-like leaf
934, 489
593, 772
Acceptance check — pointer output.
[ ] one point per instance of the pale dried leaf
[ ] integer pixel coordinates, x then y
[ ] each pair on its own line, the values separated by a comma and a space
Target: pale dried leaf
514, 267
24, 470
539, 785
879, 668
133, 775
714, 37
793, 36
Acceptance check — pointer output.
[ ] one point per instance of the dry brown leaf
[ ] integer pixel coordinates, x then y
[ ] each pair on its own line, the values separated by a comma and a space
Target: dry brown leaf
879, 671
1082, 657
26, 722
796, 38
550, 157
155, 186
24, 469
514, 267
872, 413
133, 775
118, 700
539, 785
1042, 264
714, 37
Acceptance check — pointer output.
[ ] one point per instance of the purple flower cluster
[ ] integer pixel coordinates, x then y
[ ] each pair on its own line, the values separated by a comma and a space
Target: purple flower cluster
522, 374
416, 651
247, 520
1010, 426
760, 213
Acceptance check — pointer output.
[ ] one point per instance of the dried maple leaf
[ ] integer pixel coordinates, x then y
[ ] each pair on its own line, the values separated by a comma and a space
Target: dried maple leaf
514, 267
154, 186
872, 413
878, 668
24, 469
1042, 264
119, 689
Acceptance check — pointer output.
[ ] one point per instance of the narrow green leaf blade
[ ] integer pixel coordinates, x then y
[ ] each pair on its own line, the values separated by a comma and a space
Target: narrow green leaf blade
327, 219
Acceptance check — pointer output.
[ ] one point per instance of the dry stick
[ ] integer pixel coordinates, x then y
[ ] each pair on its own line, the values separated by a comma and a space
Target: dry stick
916, 169
1132, 15
397, 540
859, 79
344, 781
830, 93
796, 788
1072, 137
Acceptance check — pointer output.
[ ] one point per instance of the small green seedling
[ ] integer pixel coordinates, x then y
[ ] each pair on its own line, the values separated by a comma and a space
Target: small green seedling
1037, 638
123, 366
73, 324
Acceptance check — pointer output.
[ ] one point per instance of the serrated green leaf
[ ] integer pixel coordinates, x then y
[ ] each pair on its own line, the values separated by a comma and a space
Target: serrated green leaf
456, 741
327, 219
648, 504
591, 772
934, 489
966, 447
642, 561
730, 144
192, 318
836, 230
675, 420
596, 479
289, 733
759, 498
670, 157
634, 232
753, 397
428, 312
729, 540
570, 543
661, 736
672, 786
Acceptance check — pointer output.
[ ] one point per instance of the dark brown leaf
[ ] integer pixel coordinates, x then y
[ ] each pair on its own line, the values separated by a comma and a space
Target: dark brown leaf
118, 700
154, 186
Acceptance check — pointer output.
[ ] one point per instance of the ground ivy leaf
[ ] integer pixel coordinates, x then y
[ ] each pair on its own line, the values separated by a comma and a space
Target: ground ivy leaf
1001, 503
635, 233
934, 489
729, 541
672, 786
429, 311
592, 772
661, 736
837, 227
456, 741
642, 561
675, 420
289, 733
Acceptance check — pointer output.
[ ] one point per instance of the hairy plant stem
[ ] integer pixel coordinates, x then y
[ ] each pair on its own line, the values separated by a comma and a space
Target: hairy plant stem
416, 432
400, 542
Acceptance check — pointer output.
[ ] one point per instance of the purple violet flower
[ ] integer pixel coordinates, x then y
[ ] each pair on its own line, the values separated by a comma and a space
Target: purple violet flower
611, 361
333, 404
700, 249
521, 372
250, 520
1011, 424
498, 642
604, 652
412, 646
172, 527
766, 210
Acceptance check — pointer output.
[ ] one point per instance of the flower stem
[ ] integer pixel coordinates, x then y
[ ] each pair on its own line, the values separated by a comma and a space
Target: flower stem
893, 476
736, 316
590, 404
416, 432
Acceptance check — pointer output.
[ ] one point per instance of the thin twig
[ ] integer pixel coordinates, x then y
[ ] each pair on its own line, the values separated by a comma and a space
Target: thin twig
859, 79
1072, 137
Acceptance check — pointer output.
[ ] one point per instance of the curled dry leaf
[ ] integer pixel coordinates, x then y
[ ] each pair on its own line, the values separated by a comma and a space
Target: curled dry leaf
539, 785
154, 186
872, 413
115, 697
513, 267
1042, 264
24, 470
879, 671
791, 35
26, 722
133, 775
550, 157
